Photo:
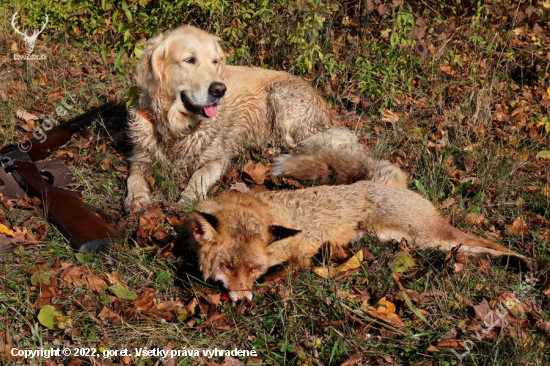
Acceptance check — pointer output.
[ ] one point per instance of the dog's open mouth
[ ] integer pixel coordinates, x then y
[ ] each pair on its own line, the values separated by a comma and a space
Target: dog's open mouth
208, 111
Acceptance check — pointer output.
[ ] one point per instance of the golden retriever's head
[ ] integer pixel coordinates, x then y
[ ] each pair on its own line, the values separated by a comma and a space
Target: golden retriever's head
180, 75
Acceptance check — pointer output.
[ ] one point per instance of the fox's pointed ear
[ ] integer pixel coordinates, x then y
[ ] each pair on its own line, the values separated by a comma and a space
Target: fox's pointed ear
281, 232
205, 225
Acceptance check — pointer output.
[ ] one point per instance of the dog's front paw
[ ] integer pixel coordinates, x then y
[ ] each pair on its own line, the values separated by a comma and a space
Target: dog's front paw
188, 198
137, 204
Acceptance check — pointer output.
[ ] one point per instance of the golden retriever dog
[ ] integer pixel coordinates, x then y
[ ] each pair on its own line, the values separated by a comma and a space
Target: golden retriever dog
196, 113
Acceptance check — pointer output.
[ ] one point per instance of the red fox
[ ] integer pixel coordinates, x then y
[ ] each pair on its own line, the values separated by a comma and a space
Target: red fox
240, 236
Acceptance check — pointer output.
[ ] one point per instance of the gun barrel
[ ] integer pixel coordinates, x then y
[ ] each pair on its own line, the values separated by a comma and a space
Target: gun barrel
58, 135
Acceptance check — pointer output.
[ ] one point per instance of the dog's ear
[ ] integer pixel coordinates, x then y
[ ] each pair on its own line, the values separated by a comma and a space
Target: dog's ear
221, 53
150, 67
205, 225
157, 61
281, 232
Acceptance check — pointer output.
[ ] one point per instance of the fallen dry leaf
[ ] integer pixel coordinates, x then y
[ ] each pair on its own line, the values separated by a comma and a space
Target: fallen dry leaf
47, 293
389, 116
214, 299
483, 264
387, 359
4, 230
73, 275
256, 171
448, 202
446, 69
254, 361
432, 348
463, 300
96, 283
511, 303
352, 263
538, 219
518, 227
177, 222
230, 361
114, 278
111, 315
353, 359
545, 289
450, 343
475, 219
145, 299
217, 321
25, 116
384, 311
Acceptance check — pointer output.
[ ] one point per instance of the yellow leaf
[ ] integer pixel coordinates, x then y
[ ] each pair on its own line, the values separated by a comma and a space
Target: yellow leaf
353, 262
5, 230
384, 311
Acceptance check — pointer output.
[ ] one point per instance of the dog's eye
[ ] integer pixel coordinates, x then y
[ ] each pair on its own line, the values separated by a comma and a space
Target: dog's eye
216, 62
190, 60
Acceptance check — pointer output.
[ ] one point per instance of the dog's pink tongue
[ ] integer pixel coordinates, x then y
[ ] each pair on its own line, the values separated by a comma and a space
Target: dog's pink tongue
211, 110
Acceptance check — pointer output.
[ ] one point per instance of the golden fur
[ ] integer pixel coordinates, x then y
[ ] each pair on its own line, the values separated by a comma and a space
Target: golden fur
239, 236
199, 130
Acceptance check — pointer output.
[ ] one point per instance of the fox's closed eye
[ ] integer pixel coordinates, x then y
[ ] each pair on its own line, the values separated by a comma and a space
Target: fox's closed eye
225, 268
255, 271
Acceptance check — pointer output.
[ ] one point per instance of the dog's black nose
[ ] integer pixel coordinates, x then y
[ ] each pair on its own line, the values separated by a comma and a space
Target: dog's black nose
217, 89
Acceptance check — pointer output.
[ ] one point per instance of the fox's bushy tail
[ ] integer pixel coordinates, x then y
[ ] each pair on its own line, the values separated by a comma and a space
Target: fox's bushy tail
345, 166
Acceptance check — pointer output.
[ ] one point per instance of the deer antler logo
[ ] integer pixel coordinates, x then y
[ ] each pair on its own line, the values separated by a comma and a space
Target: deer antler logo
29, 40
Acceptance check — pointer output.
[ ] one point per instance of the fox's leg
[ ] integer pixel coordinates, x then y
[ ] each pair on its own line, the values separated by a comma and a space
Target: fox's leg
449, 236
298, 110
139, 194
418, 220
201, 181
298, 250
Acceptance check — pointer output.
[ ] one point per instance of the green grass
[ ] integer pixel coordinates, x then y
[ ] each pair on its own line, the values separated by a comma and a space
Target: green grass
446, 124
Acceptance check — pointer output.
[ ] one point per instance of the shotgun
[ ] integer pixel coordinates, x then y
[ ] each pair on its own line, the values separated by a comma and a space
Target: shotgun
66, 209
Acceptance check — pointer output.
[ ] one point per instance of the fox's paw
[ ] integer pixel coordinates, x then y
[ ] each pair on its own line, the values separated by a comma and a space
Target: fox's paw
137, 204
302, 263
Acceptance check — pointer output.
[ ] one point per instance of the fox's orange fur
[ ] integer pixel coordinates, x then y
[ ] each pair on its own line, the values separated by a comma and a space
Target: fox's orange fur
240, 235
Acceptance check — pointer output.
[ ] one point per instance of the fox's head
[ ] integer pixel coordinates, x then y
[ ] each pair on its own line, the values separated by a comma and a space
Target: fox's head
233, 247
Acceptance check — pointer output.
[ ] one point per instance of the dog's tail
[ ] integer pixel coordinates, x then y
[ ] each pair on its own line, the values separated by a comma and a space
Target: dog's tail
344, 166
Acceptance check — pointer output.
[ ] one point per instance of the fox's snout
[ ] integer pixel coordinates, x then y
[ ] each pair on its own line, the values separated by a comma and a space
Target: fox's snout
237, 287
240, 294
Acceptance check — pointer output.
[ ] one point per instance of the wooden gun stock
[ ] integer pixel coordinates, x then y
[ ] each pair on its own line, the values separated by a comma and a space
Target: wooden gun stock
83, 229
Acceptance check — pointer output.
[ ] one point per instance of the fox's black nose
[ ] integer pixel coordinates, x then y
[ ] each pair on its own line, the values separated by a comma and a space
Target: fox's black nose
217, 89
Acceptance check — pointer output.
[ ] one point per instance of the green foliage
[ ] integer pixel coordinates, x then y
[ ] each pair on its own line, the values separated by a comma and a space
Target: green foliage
301, 36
